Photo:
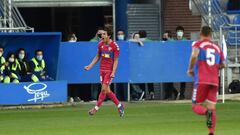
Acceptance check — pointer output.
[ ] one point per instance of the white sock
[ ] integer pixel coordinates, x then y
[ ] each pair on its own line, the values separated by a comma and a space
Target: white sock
119, 105
96, 107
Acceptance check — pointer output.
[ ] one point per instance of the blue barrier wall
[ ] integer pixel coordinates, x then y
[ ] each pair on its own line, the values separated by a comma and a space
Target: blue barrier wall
33, 93
155, 62
48, 42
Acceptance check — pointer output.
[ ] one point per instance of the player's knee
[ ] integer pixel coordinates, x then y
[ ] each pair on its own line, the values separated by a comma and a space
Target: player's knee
211, 106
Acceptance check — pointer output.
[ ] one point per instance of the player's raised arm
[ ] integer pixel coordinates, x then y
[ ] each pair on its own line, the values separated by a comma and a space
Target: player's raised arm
94, 61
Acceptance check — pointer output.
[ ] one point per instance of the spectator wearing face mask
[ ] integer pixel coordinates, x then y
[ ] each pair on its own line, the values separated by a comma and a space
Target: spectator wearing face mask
167, 36
180, 36
180, 33
120, 35
38, 67
2, 64
24, 69
98, 35
11, 71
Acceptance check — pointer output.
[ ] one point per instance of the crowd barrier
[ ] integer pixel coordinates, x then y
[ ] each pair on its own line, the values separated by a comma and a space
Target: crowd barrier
154, 62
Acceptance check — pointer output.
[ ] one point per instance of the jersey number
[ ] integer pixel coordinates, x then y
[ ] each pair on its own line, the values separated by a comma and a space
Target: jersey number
210, 56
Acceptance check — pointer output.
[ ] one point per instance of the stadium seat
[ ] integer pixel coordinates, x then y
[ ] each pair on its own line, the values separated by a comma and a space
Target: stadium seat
233, 38
233, 7
220, 20
236, 20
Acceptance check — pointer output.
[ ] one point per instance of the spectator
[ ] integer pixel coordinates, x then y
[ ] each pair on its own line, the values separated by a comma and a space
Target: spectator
11, 71
2, 64
38, 67
180, 33
72, 38
136, 38
98, 35
120, 35
169, 87
143, 36
24, 70
180, 36
167, 36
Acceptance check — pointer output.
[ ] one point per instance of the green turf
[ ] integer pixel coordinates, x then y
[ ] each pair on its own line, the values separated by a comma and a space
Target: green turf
140, 119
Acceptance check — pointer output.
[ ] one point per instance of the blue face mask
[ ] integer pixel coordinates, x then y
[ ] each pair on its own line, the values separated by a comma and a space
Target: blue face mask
39, 57
121, 37
21, 56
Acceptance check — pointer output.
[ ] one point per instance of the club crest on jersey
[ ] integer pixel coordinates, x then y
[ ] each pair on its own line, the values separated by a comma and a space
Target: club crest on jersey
109, 48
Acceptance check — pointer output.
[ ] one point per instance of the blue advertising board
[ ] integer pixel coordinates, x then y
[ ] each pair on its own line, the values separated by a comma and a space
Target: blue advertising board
153, 63
33, 93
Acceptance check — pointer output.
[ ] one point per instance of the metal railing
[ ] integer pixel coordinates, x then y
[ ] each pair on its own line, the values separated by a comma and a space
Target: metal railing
10, 18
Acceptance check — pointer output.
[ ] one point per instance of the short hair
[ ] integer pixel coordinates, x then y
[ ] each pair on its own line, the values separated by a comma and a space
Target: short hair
169, 33
179, 28
9, 54
142, 33
21, 49
38, 50
109, 31
206, 31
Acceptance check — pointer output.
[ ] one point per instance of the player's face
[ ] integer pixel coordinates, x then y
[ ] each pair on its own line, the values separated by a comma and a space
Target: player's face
105, 36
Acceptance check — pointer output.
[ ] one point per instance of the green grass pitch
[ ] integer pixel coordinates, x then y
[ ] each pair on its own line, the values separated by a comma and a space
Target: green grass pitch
143, 118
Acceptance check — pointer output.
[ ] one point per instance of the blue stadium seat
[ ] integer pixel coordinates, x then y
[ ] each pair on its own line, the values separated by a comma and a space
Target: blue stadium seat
220, 20
233, 7
233, 38
236, 20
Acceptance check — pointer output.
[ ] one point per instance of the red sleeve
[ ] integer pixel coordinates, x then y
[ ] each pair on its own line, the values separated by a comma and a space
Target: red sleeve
195, 44
99, 49
116, 50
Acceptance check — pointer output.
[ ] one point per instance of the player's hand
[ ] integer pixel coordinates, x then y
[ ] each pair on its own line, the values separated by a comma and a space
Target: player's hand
190, 72
112, 75
87, 68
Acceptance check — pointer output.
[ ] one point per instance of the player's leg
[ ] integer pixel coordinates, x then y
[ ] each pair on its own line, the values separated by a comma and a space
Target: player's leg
101, 96
211, 106
114, 98
111, 95
199, 95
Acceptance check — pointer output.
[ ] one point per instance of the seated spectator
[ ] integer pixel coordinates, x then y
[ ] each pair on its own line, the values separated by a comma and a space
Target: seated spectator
120, 35
136, 38
24, 69
2, 64
72, 38
11, 71
167, 36
98, 35
38, 67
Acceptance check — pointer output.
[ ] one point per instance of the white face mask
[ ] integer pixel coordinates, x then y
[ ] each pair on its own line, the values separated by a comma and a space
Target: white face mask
1, 54
21, 56
11, 59
120, 37
179, 33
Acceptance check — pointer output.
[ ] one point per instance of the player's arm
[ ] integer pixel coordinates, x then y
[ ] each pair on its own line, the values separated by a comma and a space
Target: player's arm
115, 64
94, 61
223, 61
193, 60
